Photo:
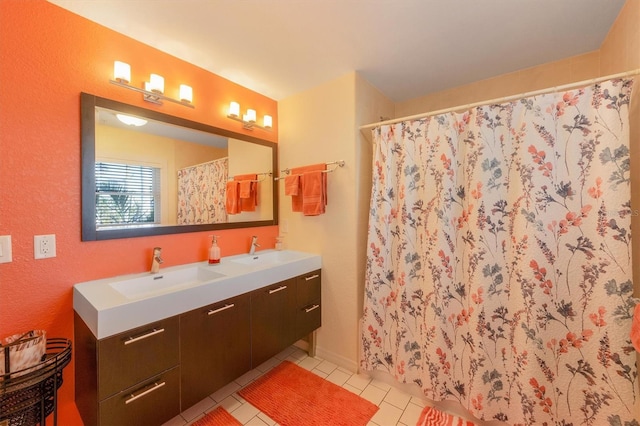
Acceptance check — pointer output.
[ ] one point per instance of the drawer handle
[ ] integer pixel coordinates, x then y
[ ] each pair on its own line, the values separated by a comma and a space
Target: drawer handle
144, 336
312, 277
156, 386
313, 308
224, 308
275, 290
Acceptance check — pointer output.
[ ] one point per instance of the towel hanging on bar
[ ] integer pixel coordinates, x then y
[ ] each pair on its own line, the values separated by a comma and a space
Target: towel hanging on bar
307, 187
247, 191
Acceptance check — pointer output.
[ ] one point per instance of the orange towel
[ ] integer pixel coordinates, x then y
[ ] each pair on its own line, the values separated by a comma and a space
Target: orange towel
245, 188
248, 187
292, 185
292, 188
635, 328
313, 200
232, 199
298, 200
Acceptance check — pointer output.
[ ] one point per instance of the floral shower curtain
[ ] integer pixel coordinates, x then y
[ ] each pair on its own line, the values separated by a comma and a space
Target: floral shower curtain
499, 258
201, 193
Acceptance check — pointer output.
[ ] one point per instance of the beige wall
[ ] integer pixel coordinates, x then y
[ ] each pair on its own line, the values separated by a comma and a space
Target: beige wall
620, 51
576, 68
321, 125
318, 126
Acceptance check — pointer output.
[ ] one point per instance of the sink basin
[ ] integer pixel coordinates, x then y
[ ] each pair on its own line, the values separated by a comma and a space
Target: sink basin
268, 258
134, 288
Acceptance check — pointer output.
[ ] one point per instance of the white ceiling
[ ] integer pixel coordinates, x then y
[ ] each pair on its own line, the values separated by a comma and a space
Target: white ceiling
406, 48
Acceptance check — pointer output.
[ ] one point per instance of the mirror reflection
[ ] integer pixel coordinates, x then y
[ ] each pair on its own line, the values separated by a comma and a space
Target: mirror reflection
154, 174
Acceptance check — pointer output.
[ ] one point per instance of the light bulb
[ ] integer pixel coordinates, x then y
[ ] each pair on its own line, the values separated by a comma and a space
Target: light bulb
234, 109
186, 93
156, 83
121, 72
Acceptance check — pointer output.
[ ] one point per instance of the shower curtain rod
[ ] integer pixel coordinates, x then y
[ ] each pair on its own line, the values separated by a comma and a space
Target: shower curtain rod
503, 99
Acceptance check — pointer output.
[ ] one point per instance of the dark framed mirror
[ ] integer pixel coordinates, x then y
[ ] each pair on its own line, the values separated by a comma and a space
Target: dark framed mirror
168, 175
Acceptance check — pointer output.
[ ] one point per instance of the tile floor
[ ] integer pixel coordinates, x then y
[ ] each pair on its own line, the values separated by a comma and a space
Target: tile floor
396, 408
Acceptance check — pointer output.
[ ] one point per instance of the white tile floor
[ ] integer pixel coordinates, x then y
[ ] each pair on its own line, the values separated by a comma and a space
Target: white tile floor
396, 408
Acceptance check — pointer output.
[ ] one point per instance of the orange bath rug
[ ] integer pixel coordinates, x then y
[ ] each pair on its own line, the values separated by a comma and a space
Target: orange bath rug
293, 396
217, 417
433, 417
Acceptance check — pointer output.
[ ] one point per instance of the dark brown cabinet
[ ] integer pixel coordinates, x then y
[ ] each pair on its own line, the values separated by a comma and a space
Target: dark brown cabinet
215, 347
308, 303
149, 374
284, 313
123, 377
272, 320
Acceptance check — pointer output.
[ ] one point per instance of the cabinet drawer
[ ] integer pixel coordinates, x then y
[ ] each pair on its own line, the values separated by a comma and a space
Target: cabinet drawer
308, 288
127, 358
308, 318
153, 402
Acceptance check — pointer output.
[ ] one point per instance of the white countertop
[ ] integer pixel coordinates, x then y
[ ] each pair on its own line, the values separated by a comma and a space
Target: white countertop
107, 311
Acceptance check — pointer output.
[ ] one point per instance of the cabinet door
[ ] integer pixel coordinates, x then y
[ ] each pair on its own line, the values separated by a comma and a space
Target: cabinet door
272, 320
128, 358
152, 402
215, 346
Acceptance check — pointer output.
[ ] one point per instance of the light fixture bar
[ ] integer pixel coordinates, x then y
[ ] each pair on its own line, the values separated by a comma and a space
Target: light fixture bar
248, 125
248, 120
152, 97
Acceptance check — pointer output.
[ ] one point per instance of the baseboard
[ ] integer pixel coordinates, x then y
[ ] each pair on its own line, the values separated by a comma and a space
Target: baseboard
346, 363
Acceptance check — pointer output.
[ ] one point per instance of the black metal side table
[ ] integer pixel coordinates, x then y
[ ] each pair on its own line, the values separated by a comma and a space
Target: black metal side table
28, 396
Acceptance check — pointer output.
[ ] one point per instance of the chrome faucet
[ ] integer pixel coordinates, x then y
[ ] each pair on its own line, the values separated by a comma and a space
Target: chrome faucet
157, 260
254, 244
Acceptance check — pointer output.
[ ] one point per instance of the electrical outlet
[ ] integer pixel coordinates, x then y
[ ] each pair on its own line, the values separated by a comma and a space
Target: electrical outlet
5, 249
44, 246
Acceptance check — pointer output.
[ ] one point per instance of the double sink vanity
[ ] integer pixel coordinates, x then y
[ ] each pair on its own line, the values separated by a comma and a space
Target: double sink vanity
148, 346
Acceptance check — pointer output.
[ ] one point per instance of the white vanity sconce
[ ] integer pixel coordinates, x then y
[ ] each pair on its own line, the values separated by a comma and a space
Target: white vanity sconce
153, 89
248, 120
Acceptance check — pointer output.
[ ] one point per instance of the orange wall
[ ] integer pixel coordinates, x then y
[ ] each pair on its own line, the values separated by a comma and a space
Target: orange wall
49, 56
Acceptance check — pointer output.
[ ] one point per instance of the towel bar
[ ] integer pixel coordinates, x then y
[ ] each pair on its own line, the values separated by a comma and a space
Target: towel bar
263, 176
287, 171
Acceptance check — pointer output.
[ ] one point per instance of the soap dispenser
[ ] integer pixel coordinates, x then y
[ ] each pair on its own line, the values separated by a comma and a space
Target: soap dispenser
214, 251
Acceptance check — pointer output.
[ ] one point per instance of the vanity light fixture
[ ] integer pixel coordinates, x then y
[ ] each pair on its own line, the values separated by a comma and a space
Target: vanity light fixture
153, 89
248, 120
130, 120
